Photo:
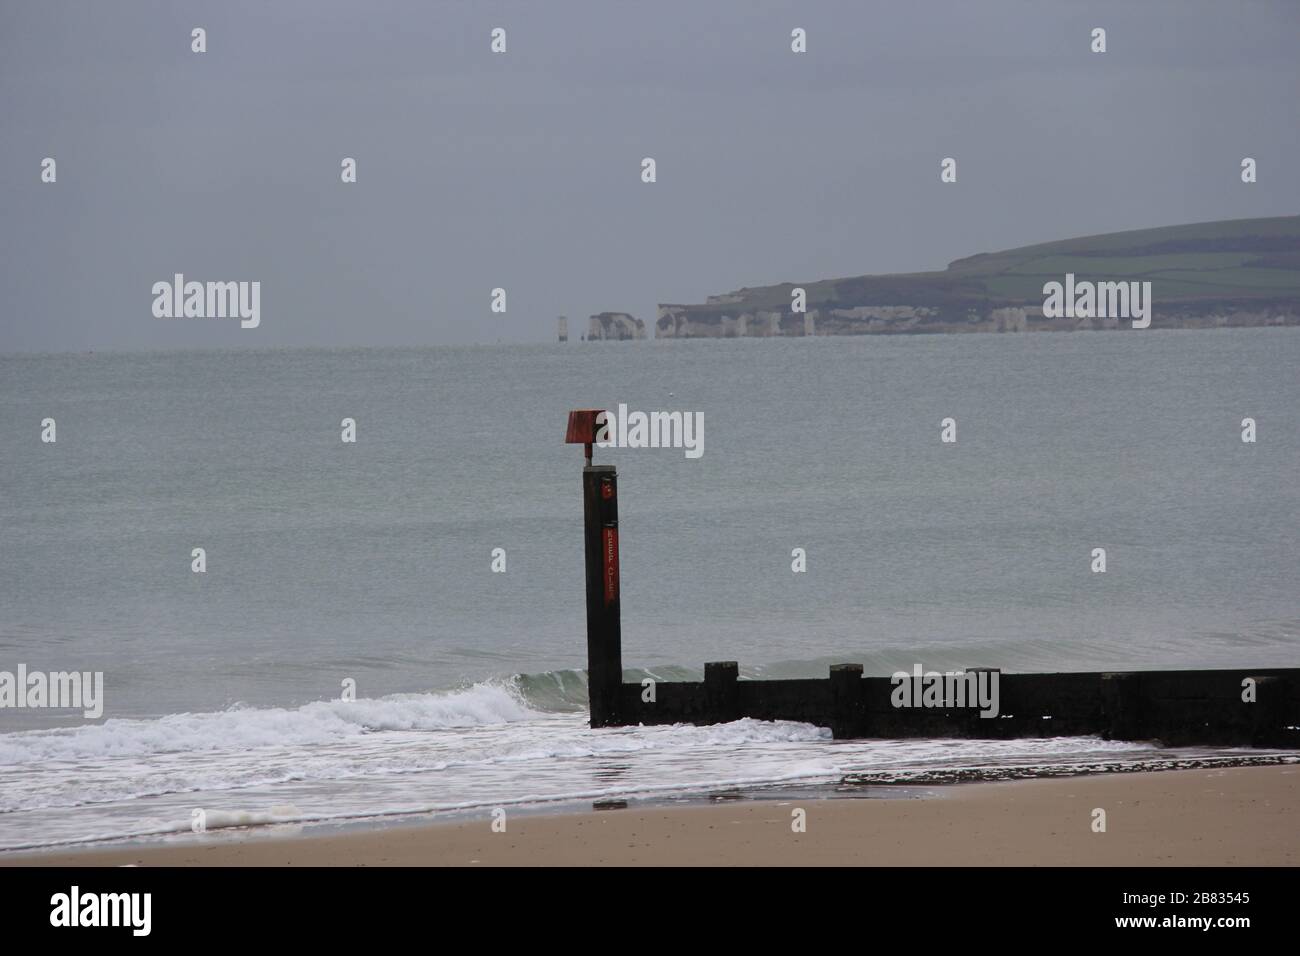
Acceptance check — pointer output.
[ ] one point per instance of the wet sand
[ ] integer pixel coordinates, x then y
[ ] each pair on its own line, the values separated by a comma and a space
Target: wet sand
1240, 816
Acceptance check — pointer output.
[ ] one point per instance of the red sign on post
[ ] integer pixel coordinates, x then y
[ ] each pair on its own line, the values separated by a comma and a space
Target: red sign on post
610, 543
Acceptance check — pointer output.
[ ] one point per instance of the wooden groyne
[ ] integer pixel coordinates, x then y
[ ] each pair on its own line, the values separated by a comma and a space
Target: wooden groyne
1176, 707
1257, 707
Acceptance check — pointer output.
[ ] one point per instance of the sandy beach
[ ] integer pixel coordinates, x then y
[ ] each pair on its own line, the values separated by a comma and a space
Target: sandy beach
1232, 817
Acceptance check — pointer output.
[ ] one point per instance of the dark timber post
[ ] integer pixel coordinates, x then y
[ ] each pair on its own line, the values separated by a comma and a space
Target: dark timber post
721, 692
1121, 706
600, 529
1268, 712
848, 713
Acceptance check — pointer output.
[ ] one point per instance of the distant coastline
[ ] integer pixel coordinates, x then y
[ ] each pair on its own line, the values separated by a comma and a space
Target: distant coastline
1229, 274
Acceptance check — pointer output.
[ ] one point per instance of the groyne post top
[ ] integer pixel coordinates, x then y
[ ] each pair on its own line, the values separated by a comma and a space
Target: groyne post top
600, 537
582, 429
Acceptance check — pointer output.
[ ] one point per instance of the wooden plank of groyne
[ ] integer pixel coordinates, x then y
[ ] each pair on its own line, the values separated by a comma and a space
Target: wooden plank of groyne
1177, 707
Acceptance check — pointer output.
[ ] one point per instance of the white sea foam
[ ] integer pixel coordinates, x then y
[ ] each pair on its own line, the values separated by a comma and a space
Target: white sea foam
245, 727
464, 750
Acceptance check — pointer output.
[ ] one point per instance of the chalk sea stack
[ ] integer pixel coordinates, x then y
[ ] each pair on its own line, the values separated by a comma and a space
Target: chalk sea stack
615, 325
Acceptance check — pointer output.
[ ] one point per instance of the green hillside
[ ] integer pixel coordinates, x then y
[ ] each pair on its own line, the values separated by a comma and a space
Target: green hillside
1240, 258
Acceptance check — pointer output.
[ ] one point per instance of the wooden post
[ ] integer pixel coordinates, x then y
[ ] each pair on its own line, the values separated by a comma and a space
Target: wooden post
1121, 706
1268, 712
848, 713
721, 695
977, 726
604, 632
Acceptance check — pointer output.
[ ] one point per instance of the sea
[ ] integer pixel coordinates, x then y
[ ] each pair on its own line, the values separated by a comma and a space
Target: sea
337, 569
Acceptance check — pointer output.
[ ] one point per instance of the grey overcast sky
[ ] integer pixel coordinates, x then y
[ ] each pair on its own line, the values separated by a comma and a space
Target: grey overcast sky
522, 170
